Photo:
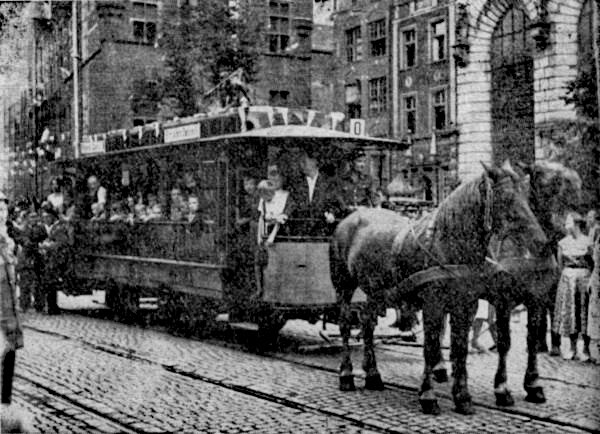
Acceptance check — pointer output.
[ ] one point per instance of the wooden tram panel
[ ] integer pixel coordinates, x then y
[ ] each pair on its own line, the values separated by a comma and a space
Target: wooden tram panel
297, 275
154, 273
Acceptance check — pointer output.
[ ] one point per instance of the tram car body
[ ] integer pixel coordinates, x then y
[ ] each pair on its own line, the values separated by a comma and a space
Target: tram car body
197, 270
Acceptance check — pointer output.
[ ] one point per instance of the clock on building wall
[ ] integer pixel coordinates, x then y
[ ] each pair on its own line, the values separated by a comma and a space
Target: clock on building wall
408, 81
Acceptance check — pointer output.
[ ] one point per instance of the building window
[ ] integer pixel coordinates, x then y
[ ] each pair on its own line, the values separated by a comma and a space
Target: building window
353, 106
353, 44
144, 31
278, 97
440, 109
410, 114
377, 95
279, 26
438, 41
377, 38
409, 48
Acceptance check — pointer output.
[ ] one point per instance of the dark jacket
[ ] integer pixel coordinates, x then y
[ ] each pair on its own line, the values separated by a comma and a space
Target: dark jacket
326, 198
28, 238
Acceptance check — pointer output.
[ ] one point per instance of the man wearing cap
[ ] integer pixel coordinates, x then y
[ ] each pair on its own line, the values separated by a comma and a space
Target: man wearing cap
358, 188
56, 254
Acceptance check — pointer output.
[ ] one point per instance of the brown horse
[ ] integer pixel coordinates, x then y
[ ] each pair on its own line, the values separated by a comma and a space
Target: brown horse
376, 250
514, 278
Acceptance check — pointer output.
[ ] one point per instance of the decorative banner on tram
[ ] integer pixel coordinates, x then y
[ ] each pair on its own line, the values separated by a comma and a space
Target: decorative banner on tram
182, 132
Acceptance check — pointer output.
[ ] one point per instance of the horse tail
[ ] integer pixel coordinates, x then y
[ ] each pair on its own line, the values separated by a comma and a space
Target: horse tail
341, 276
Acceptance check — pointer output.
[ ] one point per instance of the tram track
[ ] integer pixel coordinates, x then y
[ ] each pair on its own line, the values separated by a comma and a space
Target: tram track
68, 409
130, 354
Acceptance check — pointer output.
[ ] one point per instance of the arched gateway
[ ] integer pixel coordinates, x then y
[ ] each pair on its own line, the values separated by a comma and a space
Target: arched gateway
512, 108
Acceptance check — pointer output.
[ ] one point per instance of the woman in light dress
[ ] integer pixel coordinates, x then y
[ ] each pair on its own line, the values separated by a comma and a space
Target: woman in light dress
571, 307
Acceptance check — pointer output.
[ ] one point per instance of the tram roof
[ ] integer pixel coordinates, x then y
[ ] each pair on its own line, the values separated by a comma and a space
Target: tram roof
279, 132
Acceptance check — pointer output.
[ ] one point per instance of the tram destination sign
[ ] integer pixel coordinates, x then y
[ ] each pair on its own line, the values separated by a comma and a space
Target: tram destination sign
182, 132
92, 145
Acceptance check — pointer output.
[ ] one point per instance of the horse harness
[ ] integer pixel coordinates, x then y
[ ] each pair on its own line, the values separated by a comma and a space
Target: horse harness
443, 271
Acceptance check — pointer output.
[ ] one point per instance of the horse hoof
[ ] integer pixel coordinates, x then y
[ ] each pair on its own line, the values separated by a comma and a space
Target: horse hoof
464, 407
535, 395
347, 383
373, 382
440, 375
430, 406
504, 399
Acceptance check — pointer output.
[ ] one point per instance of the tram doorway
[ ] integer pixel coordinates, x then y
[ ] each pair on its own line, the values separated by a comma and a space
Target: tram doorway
513, 127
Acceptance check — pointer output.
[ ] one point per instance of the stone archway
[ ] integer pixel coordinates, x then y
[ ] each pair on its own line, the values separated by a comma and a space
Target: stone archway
512, 93
553, 68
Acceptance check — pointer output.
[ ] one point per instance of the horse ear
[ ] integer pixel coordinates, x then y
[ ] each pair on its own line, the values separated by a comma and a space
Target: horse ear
491, 172
507, 166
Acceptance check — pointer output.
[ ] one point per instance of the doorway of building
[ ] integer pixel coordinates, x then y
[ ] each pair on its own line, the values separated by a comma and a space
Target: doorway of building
513, 127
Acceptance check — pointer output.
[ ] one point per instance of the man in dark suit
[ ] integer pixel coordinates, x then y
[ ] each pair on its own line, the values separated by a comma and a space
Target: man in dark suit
316, 199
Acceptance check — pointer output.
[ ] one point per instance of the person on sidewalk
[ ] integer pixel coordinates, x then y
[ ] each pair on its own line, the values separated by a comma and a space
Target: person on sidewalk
56, 253
29, 261
571, 307
485, 313
11, 335
593, 325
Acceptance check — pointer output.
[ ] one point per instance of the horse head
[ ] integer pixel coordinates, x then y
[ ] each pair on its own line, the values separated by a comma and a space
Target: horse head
508, 214
555, 190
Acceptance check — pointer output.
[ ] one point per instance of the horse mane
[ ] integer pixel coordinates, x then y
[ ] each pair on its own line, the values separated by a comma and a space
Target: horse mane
453, 216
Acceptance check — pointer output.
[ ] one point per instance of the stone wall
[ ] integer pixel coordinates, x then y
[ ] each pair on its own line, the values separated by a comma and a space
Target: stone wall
554, 66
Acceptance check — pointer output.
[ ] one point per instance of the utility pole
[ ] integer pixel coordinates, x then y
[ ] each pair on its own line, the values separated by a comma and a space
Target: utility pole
74, 42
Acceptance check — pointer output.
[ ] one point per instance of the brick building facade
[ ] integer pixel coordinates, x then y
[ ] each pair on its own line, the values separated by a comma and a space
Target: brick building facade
423, 94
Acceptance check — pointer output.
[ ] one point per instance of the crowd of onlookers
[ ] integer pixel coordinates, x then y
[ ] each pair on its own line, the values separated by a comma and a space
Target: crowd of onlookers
577, 303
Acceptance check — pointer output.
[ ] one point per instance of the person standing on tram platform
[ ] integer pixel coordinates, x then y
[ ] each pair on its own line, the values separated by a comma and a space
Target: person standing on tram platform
358, 188
316, 199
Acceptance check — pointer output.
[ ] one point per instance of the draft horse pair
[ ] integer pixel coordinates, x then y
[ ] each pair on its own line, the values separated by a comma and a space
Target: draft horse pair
440, 263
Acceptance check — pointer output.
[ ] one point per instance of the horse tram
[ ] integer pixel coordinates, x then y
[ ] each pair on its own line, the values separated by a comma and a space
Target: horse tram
198, 270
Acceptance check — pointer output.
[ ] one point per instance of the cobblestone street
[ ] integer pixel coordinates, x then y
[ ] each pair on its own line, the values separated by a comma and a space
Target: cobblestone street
83, 374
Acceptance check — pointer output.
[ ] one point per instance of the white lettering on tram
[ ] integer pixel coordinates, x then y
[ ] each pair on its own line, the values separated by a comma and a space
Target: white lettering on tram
183, 132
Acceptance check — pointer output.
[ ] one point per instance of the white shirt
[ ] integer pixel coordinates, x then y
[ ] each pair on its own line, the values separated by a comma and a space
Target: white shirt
312, 182
269, 211
275, 206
